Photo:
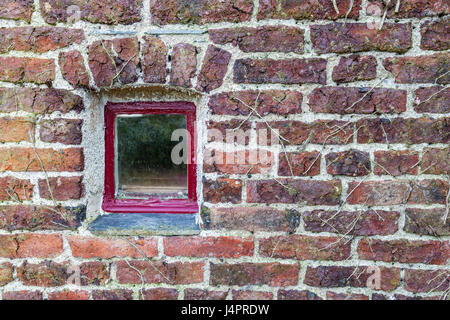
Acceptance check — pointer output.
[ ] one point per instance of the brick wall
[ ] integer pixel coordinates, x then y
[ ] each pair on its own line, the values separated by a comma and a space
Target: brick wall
353, 205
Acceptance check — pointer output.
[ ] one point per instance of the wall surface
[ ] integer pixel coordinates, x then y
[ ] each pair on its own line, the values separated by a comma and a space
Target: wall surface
354, 203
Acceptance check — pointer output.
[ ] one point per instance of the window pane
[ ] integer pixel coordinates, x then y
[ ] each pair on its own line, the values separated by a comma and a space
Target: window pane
144, 165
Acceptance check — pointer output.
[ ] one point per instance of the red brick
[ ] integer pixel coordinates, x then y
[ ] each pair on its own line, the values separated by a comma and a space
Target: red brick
159, 272
357, 37
357, 100
99, 11
44, 274
355, 68
279, 102
127, 59
227, 132
297, 295
435, 35
348, 163
435, 161
200, 11
310, 9
16, 9
251, 295
116, 294
408, 131
396, 163
404, 251
6, 273
199, 294
93, 273
287, 71
222, 190
250, 219
63, 188
304, 248
214, 69
24, 159
16, 129
224, 247
402, 297
101, 63
159, 294
427, 280
154, 64
240, 274
432, 99
261, 39
40, 101
38, 39
413, 8
65, 131
359, 277
40, 217
31, 246
302, 163
184, 64
69, 295
73, 68
23, 69
346, 296
238, 162
294, 191
427, 222
22, 295
394, 192
357, 223
104, 248
420, 69
12, 189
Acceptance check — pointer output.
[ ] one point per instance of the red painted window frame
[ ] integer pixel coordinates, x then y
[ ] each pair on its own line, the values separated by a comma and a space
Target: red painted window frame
180, 206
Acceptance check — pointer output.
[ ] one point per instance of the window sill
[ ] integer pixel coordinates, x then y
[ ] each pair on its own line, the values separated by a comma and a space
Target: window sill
141, 224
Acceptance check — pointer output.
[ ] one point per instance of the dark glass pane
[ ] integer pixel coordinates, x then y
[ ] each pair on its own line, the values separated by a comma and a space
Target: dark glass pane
144, 165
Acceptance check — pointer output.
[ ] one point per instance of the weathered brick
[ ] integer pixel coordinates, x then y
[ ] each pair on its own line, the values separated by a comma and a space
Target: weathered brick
261, 39
127, 59
104, 248
394, 192
251, 219
348, 163
69, 295
435, 161
225, 247
31, 246
16, 129
413, 8
24, 69
24, 159
12, 189
357, 100
427, 280
357, 37
310, 9
404, 251
429, 222
214, 69
160, 272
358, 277
38, 39
402, 297
287, 71
400, 130
302, 164
355, 68
222, 190
62, 188
116, 294
44, 274
251, 295
93, 273
435, 35
420, 69
65, 131
199, 294
279, 102
154, 64
159, 294
200, 11
358, 223
22, 295
16, 9
297, 295
6, 273
101, 63
301, 247
39, 101
240, 274
294, 191
346, 296
239, 162
99, 11
226, 132
40, 217
432, 99
184, 64
395, 163
73, 69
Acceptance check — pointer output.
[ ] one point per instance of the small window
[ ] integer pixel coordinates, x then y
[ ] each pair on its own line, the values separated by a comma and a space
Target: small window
150, 158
